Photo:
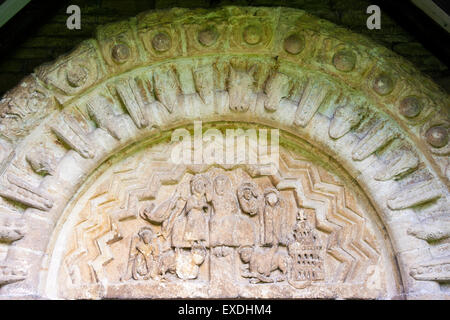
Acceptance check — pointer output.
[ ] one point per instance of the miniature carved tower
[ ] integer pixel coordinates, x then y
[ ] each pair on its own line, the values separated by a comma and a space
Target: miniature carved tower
306, 252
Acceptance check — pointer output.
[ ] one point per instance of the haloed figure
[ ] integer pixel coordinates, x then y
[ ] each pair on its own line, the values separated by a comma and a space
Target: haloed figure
224, 218
273, 218
197, 211
249, 198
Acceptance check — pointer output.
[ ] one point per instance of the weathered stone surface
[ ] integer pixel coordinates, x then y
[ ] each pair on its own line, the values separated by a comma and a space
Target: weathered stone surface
23, 107
10, 274
432, 229
11, 229
363, 148
74, 72
208, 224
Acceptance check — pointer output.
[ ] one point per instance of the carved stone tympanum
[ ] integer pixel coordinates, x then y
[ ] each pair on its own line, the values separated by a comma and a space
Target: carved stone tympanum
115, 178
221, 232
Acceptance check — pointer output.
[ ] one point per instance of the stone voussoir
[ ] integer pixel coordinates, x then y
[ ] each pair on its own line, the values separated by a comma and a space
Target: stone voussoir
363, 106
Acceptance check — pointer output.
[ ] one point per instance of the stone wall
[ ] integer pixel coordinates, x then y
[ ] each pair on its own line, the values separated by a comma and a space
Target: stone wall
52, 38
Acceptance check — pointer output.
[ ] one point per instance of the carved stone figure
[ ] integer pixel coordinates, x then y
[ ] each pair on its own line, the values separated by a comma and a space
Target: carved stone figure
167, 212
192, 226
249, 198
167, 263
144, 255
166, 88
228, 227
273, 218
260, 264
23, 107
349, 111
197, 211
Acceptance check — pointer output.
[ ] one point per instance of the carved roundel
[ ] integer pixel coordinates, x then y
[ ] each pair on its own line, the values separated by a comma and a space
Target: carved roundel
252, 33
161, 42
344, 60
383, 84
77, 76
120, 53
74, 74
410, 107
92, 206
208, 36
294, 44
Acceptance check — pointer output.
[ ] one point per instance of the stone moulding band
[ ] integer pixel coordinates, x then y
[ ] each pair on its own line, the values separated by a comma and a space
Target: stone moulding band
361, 104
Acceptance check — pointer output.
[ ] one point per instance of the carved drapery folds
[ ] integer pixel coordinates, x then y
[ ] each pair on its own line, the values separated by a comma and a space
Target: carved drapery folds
361, 105
221, 231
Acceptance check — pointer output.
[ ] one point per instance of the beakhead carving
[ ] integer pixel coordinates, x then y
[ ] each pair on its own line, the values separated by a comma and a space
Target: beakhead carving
357, 207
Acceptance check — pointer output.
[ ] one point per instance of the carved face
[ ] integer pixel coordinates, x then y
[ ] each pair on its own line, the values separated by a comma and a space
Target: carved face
283, 264
247, 194
221, 184
272, 198
246, 254
146, 235
198, 185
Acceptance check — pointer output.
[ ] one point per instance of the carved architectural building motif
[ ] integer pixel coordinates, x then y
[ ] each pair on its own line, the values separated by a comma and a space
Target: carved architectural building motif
224, 231
91, 205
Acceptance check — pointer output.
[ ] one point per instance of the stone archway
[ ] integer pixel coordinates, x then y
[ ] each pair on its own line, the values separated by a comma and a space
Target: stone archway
363, 175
